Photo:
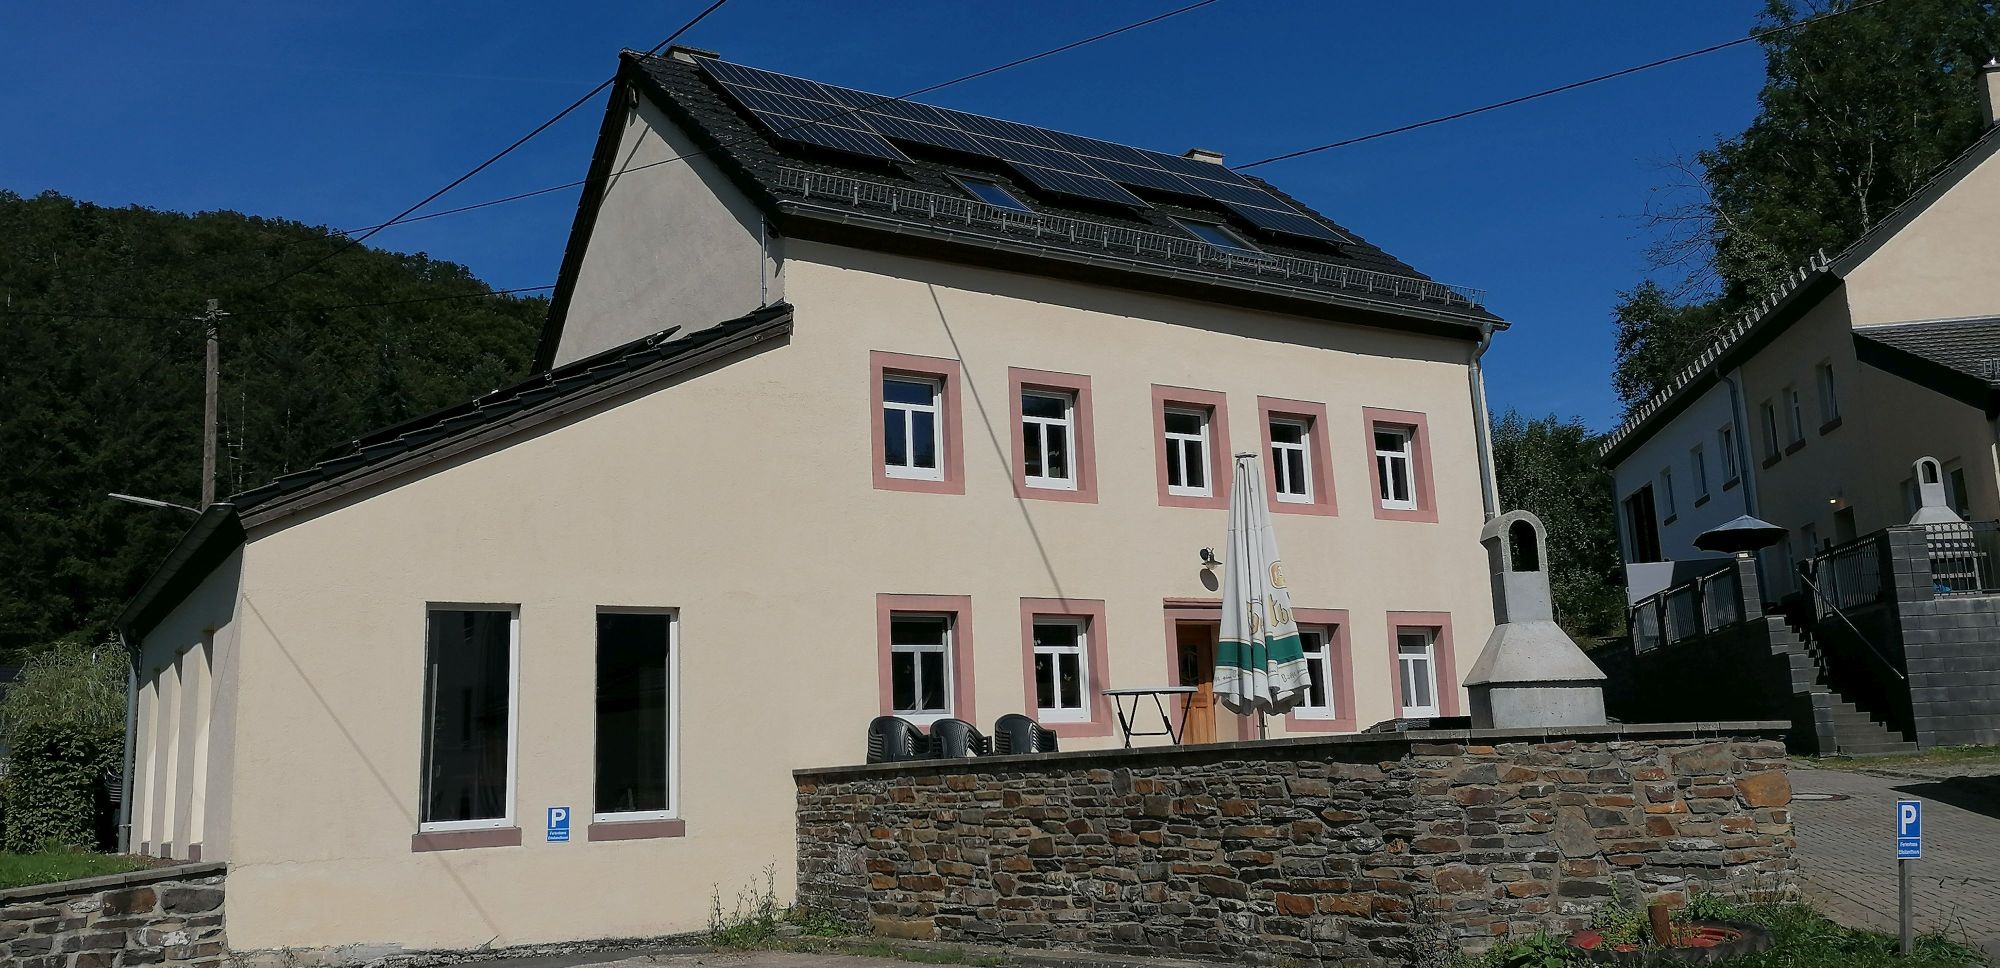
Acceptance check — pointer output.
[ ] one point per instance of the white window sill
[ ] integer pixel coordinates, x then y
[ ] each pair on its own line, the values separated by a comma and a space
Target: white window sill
1294, 498
1051, 484
1188, 492
447, 826
633, 816
1062, 715
904, 474
1399, 505
920, 719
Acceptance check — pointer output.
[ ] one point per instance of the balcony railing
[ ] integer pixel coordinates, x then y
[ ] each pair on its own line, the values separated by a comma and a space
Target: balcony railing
1850, 575
1120, 241
1689, 610
1964, 557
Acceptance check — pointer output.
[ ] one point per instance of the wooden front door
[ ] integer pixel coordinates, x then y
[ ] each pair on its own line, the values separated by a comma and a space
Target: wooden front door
1195, 646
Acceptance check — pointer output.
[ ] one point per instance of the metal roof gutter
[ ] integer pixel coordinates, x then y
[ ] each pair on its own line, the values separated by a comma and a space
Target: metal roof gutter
211, 538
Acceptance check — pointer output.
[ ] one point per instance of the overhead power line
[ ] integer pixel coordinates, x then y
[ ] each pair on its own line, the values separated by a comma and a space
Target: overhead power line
357, 240
288, 309
1560, 89
941, 85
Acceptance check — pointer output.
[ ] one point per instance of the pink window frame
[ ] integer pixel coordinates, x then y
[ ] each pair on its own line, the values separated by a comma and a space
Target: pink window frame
1420, 455
1098, 674
1446, 656
1083, 449
1341, 658
959, 607
1321, 455
950, 419
1220, 459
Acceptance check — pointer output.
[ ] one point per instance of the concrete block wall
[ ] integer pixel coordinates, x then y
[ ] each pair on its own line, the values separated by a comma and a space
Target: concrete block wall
1950, 648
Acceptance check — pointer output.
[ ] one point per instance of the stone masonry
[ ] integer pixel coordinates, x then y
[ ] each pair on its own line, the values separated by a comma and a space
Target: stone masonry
1362, 849
162, 916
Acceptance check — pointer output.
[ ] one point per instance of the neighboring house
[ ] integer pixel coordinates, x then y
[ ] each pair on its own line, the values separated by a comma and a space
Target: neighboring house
817, 409
1811, 413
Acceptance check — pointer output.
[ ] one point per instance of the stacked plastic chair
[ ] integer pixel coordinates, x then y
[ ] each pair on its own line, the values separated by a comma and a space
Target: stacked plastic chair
1015, 733
892, 739
956, 738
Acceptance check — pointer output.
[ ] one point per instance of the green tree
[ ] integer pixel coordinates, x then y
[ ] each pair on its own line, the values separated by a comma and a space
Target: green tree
109, 398
1549, 466
64, 726
1857, 111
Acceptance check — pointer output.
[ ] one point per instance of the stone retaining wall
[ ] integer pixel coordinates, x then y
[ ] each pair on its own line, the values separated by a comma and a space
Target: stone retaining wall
1366, 848
161, 916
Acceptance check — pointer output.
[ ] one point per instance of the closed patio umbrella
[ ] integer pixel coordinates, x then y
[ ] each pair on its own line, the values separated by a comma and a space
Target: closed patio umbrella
1259, 664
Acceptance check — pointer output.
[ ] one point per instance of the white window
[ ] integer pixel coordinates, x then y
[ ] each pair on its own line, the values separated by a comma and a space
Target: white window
912, 433
637, 738
1395, 470
1829, 405
1667, 493
920, 662
1769, 414
1725, 442
1318, 644
1798, 414
470, 717
1048, 433
1698, 464
1416, 665
1291, 460
1062, 669
1187, 452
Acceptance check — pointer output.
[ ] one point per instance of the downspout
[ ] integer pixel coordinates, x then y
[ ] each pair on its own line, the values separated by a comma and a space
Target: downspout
1741, 418
131, 724
763, 259
1489, 492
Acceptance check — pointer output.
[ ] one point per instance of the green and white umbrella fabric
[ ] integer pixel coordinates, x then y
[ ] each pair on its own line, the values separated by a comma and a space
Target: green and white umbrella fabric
1259, 664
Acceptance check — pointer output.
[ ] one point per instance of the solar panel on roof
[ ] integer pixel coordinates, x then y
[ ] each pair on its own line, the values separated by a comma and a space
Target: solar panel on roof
850, 140
1080, 186
861, 123
1288, 222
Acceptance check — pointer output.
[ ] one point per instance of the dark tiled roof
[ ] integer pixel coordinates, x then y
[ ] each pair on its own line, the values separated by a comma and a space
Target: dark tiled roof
1967, 346
550, 391
772, 171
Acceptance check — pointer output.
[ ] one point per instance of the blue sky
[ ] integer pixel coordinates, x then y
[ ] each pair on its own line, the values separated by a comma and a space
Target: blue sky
345, 113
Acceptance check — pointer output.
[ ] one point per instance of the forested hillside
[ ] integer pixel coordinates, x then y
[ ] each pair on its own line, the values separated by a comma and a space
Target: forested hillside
101, 379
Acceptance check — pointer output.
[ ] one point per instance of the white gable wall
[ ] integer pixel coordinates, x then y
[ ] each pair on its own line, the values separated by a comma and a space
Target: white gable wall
676, 244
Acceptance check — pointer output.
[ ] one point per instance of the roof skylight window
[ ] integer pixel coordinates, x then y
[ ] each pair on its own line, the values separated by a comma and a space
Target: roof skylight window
1216, 235
992, 193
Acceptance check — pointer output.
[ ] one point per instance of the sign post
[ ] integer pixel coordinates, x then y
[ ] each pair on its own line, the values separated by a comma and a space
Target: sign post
1909, 847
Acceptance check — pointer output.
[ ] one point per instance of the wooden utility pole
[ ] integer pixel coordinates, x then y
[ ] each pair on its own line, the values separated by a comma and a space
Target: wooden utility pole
213, 375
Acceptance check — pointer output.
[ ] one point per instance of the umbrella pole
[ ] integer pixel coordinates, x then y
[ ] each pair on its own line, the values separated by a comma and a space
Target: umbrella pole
1263, 732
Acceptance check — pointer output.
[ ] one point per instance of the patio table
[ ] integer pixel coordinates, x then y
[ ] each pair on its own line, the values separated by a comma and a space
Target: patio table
1158, 695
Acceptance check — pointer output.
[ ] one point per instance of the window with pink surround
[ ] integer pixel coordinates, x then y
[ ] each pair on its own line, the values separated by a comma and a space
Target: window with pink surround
1191, 444
924, 655
917, 441
1423, 668
1399, 464
1063, 661
1054, 459
1298, 465
1329, 705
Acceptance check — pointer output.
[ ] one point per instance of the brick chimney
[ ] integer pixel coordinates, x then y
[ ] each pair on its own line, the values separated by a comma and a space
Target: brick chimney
1989, 91
1215, 157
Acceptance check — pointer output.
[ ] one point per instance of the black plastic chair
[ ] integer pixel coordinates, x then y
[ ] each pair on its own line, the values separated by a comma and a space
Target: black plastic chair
956, 739
1015, 733
892, 739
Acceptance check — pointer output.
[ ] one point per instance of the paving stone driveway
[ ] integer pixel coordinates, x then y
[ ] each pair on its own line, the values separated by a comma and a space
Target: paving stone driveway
1847, 851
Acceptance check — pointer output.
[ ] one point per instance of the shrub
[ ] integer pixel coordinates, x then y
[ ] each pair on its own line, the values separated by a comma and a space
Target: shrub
64, 725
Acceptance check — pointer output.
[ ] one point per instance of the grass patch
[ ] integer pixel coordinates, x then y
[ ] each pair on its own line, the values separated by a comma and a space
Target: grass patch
1936, 756
1801, 938
49, 866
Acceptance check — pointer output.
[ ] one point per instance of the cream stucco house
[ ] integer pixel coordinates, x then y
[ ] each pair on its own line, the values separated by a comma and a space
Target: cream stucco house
1874, 372
845, 407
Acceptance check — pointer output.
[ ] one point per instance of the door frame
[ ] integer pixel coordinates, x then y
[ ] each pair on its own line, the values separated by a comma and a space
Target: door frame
1199, 611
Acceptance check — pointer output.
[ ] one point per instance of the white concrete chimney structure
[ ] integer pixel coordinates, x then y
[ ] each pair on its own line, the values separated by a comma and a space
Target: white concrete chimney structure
1932, 506
1531, 673
1989, 91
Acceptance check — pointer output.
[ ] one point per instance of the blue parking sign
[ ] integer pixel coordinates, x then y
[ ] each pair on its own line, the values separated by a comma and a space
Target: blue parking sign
1909, 829
558, 825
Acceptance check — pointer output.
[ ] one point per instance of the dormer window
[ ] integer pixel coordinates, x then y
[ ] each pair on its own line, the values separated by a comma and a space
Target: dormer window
992, 193
1216, 235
